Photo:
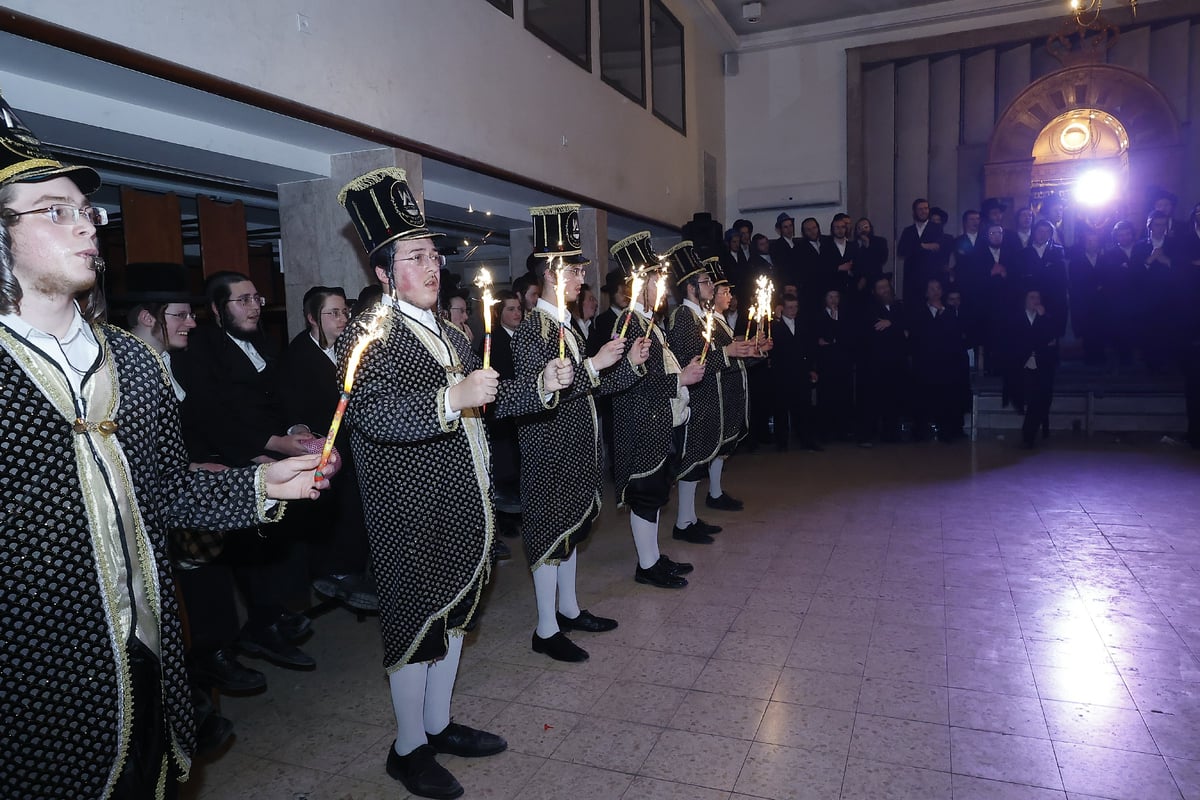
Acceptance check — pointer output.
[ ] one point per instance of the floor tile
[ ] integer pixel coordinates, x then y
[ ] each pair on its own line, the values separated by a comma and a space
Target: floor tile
696, 758
1103, 726
719, 714
1001, 713
639, 702
813, 688
787, 773
738, 679
903, 699
555, 780
608, 744
873, 780
1119, 774
820, 730
901, 741
1003, 757
533, 730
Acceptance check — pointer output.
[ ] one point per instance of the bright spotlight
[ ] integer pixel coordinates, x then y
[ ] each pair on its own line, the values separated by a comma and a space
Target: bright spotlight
1095, 187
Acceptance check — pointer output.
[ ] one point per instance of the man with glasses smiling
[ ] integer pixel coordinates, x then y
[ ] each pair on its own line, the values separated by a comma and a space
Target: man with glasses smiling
95, 701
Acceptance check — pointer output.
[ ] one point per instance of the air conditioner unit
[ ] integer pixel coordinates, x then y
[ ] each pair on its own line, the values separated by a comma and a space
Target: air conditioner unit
770, 198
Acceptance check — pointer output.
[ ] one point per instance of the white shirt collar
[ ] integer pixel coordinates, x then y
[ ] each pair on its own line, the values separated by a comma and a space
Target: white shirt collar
77, 347
546, 307
251, 352
694, 307
329, 351
1040, 249
511, 331
640, 309
920, 226
424, 316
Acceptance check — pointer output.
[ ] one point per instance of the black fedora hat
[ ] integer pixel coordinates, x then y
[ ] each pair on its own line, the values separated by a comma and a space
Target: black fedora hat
157, 282
23, 159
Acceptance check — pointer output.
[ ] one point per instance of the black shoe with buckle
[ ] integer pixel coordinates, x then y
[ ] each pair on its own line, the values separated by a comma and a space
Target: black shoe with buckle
560, 648
586, 622
677, 567
692, 534
459, 740
724, 503
422, 775
220, 669
270, 644
659, 575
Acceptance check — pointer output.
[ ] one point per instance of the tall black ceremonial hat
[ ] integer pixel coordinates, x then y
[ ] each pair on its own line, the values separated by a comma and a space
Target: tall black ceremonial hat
683, 261
23, 159
634, 253
556, 233
383, 208
157, 282
716, 271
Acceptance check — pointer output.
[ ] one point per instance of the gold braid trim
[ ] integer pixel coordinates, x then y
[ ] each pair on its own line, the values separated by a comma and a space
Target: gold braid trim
628, 240
681, 245
538, 211
370, 179
274, 513
26, 166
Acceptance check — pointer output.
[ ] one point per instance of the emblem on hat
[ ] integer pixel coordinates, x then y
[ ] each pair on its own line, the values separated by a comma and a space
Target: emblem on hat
556, 233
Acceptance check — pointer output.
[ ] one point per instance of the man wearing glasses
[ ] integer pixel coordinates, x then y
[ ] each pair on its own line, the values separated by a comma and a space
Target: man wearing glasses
95, 700
232, 415
309, 390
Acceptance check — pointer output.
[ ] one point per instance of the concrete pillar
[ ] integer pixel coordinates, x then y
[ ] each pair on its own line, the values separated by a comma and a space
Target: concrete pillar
593, 232
319, 245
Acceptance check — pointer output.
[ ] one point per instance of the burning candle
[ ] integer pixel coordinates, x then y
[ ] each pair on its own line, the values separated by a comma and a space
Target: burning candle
373, 331
483, 281
635, 292
750, 324
660, 291
707, 332
560, 295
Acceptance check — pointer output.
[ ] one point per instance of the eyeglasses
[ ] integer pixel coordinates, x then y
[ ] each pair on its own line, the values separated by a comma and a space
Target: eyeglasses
573, 272
337, 313
424, 259
249, 300
61, 214
180, 314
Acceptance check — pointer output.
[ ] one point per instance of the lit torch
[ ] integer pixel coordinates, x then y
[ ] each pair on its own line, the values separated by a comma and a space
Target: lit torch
763, 294
708, 331
753, 310
660, 291
483, 282
635, 289
374, 331
560, 295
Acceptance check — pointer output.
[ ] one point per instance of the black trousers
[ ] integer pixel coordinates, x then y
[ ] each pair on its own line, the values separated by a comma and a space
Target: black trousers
794, 416
649, 493
881, 403
208, 600
758, 380
338, 536
272, 572
1038, 388
148, 748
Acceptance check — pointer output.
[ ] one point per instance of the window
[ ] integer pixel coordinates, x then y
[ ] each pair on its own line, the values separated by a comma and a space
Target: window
503, 5
565, 25
622, 48
666, 66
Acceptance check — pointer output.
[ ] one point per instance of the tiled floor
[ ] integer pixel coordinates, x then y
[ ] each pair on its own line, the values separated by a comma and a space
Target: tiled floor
925, 621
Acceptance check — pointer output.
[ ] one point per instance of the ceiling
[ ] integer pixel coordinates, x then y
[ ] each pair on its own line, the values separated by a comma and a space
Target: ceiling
779, 14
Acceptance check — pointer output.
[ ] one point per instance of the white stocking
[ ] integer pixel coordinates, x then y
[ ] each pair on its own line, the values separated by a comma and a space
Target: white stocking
439, 685
686, 514
714, 477
645, 540
568, 603
545, 585
408, 703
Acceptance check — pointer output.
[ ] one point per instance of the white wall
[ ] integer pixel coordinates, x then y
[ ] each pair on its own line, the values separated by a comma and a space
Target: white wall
454, 74
786, 107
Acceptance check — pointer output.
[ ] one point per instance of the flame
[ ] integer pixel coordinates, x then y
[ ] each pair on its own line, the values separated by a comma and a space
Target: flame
660, 289
708, 324
483, 281
635, 289
373, 331
560, 292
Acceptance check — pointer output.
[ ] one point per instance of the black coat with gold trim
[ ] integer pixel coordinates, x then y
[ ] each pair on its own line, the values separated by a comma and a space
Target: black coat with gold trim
703, 433
735, 409
424, 478
65, 716
560, 439
642, 418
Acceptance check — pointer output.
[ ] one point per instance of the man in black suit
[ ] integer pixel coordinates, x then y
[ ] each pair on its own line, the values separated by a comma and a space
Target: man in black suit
966, 249
232, 415
870, 255
745, 231
1031, 367
936, 338
994, 280
812, 256
1044, 264
1122, 306
1156, 306
841, 272
793, 376
920, 249
993, 214
883, 365
618, 302
308, 389
506, 451
784, 255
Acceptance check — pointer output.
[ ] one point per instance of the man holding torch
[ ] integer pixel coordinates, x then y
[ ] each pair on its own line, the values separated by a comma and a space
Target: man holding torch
558, 432
422, 457
645, 417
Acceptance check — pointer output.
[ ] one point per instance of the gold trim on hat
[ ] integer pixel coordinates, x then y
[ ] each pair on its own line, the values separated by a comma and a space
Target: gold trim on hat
25, 166
369, 179
680, 246
711, 259
628, 240
539, 211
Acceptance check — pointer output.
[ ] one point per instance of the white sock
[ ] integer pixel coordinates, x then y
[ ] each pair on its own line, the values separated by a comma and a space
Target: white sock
545, 585
714, 477
408, 703
568, 603
439, 685
645, 540
686, 514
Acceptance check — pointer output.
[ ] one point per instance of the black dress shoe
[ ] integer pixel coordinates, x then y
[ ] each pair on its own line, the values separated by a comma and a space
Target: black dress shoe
212, 732
293, 627
692, 534
220, 669
270, 644
659, 575
422, 775
586, 622
560, 648
500, 550
459, 740
357, 591
723, 503
678, 567
711, 530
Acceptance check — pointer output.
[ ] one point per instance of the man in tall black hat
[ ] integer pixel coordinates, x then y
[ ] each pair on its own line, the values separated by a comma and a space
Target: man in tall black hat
95, 700
560, 444
645, 417
421, 454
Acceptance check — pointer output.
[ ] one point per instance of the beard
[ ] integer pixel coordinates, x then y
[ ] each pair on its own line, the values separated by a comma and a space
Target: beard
229, 325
